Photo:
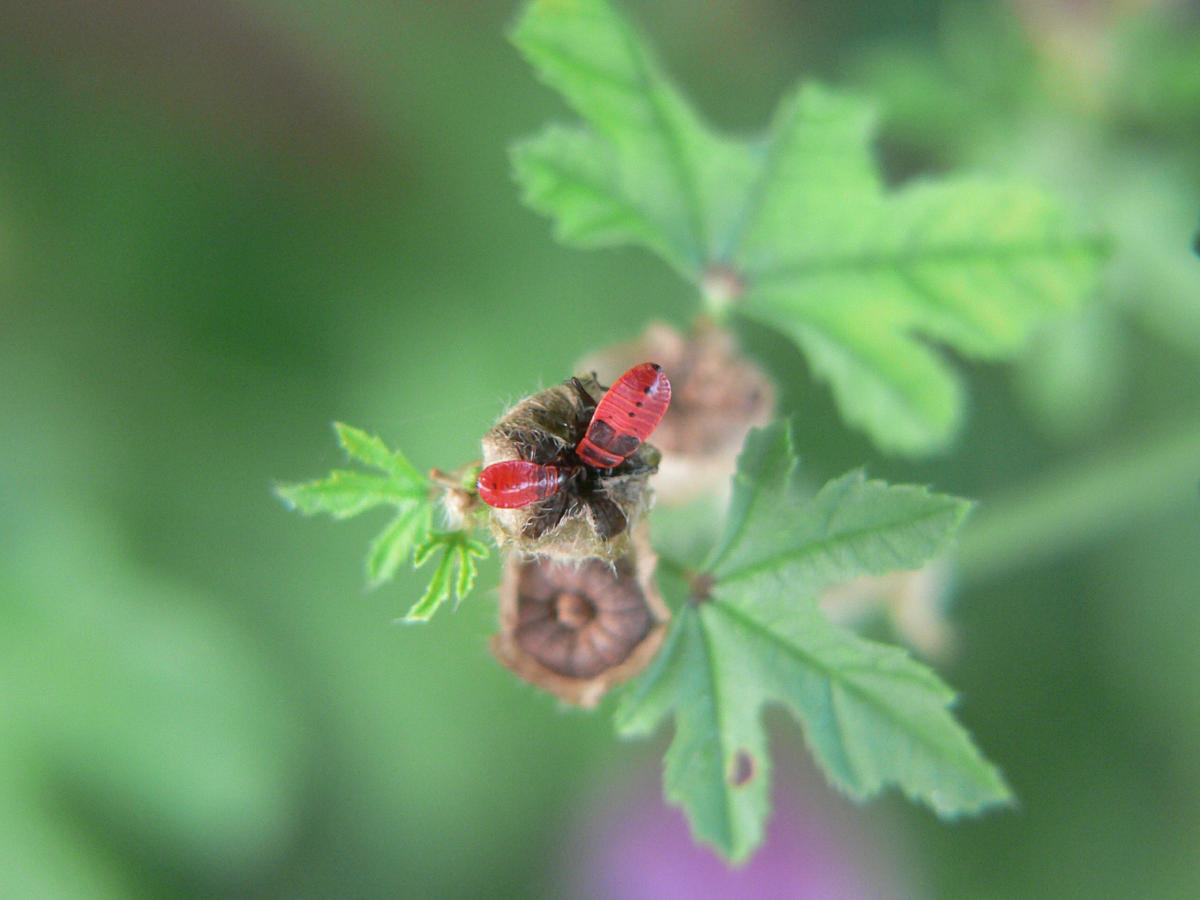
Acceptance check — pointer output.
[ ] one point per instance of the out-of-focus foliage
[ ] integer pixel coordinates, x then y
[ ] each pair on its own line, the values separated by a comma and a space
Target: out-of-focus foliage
1072, 99
128, 700
223, 226
796, 226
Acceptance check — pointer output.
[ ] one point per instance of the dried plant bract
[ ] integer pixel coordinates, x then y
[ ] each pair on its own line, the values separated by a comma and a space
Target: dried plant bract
577, 628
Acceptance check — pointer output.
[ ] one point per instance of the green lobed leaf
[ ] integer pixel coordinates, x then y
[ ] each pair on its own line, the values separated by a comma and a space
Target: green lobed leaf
851, 527
710, 733
857, 276
347, 493
872, 716
971, 264
648, 171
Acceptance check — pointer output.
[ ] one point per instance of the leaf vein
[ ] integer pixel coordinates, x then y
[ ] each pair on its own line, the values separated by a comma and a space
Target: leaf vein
711, 670
672, 142
566, 59
797, 654
619, 201
824, 545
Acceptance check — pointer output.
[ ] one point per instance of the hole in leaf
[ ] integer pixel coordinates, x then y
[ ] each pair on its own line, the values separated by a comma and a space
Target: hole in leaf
743, 769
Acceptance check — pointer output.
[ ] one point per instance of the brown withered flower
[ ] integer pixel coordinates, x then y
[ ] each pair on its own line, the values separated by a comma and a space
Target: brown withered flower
591, 515
717, 397
577, 628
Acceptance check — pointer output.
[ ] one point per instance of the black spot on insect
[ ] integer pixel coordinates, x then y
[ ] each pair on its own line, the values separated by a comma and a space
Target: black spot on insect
608, 438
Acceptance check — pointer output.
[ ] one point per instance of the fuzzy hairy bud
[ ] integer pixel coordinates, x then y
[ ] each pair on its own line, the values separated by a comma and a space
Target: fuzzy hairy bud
595, 511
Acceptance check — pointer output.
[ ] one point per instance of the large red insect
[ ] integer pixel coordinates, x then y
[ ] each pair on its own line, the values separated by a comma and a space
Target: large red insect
625, 416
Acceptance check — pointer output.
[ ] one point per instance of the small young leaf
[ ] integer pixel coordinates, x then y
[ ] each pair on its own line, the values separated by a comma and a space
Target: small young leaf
458, 550
857, 276
873, 716
425, 549
394, 544
373, 452
437, 591
466, 566
347, 493
343, 494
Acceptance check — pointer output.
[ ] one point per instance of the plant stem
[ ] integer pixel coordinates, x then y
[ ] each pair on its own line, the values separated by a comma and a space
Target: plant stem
1094, 499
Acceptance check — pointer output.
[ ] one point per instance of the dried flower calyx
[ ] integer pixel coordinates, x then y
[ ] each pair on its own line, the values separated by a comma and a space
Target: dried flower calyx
577, 628
565, 475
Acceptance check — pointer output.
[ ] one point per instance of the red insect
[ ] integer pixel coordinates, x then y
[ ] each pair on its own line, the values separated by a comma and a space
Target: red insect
624, 417
518, 482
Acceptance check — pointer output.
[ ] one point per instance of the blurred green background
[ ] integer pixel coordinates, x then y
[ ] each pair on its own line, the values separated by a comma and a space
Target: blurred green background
225, 224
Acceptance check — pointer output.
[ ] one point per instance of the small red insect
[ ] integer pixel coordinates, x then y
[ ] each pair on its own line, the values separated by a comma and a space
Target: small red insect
625, 416
517, 482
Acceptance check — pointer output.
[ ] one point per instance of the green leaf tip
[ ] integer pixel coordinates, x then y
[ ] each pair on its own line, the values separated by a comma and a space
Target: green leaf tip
872, 715
811, 242
454, 573
396, 542
348, 492
852, 526
371, 451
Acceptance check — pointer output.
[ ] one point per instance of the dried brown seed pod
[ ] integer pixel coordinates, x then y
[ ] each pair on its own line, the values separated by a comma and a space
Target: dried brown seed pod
577, 628
717, 396
591, 515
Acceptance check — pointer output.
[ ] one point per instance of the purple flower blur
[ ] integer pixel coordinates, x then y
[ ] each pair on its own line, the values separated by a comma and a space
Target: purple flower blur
635, 847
